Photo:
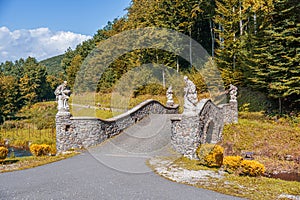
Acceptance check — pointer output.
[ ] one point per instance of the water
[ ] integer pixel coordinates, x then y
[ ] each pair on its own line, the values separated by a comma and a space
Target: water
18, 152
287, 176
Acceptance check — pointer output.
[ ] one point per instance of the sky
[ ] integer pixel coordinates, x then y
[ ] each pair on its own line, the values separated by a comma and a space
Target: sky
45, 28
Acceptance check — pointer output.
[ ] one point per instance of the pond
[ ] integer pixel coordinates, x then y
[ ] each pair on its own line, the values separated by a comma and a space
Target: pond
18, 152
286, 176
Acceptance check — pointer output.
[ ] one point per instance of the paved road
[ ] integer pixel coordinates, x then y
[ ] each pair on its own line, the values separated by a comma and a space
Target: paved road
114, 170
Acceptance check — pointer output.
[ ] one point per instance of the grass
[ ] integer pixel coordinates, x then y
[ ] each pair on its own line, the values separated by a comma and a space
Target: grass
270, 140
22, 137
20, 163
254, 188
34, 123
105, 106
188, 164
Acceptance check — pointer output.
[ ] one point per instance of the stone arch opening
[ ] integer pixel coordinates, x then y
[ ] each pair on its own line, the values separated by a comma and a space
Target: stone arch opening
209, 131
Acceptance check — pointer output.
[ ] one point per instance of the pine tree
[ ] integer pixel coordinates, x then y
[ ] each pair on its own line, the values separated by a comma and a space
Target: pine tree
276, 59
229, 40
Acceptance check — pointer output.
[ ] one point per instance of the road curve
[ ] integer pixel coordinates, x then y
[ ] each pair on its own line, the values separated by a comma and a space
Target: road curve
86, 177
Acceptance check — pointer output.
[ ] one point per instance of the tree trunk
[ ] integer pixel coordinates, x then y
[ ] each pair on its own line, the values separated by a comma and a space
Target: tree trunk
191, 59
220, 38
254, 19
280, 106
212, 38
241, 21
177, 64
164, 80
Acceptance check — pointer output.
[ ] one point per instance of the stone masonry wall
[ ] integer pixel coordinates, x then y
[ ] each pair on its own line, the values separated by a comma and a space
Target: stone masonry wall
230, 112
206, 126
78, 132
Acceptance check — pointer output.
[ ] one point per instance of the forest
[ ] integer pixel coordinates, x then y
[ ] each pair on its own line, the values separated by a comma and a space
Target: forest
255, 44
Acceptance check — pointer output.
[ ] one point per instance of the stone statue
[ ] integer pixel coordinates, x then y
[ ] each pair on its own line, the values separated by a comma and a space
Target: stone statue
233, 93
169, 95
62, 96
190, 96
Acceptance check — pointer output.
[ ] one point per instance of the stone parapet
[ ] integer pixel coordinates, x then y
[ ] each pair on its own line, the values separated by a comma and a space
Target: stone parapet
83, 132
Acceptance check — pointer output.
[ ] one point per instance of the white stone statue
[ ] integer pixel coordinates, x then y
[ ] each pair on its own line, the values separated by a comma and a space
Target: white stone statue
62, 96
190, 96
233, 93
169, 94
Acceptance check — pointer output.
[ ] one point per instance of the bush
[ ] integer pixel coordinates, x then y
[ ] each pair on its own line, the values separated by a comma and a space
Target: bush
232, 163
40, 149
252, 168
210, 155
3, 153
53, 149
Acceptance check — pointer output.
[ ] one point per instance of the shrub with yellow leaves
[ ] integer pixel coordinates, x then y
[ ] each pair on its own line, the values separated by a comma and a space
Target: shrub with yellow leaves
3, 153
40, 149
210, 155
232, 163
252, 168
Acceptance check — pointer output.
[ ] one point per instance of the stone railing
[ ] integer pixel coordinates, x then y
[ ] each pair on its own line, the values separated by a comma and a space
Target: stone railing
78, 132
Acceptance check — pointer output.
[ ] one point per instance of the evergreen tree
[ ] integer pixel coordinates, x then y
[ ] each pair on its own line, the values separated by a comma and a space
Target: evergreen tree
9, 92
276, 60
33, 85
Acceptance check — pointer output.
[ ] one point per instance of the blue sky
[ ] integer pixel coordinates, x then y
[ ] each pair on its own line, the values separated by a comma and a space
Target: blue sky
53, 24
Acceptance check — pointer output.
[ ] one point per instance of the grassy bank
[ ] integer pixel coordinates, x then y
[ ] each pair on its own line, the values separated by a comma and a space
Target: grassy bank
185, 171
273, 141
20, 163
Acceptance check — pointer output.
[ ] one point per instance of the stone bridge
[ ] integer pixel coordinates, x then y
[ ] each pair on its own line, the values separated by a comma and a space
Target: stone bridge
185, 132
83, 132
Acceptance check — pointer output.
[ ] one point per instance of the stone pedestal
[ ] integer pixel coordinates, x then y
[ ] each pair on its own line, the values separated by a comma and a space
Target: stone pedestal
170, 103
234, 110
230, 112
63, 128
185, 136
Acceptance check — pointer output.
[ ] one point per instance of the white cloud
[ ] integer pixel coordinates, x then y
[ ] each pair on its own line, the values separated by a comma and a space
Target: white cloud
40, 43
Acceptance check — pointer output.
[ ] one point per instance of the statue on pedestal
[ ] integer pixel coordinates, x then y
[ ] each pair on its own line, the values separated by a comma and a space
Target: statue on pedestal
169, 94
190, 96
62, 96
233, 93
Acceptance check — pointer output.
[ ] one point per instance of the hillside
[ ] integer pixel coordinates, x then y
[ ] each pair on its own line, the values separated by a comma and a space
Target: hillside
53, 65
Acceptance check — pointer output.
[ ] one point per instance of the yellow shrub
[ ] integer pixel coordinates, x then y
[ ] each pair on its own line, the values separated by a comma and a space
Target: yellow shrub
3, 153
210, 155
232, 163
252, 168
40, 149
53, 149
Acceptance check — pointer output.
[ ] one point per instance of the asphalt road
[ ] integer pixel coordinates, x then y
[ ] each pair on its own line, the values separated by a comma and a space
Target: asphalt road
113, 170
